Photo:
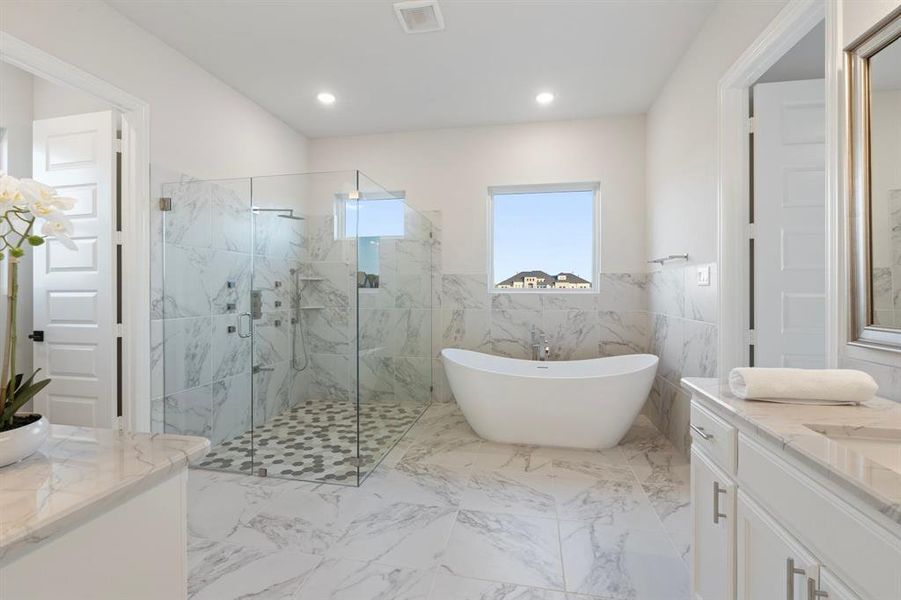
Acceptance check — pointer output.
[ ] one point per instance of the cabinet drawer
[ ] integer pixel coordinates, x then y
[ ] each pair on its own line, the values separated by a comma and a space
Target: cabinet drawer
845, 540
714, 436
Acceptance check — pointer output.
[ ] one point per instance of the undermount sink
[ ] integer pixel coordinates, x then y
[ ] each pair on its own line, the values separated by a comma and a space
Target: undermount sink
879, 444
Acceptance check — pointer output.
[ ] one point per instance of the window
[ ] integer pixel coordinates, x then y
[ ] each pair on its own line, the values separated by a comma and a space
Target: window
369, 220
544, 237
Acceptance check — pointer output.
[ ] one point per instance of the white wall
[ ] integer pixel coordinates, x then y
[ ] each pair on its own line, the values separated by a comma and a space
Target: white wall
451, 170
682, 138
199, 125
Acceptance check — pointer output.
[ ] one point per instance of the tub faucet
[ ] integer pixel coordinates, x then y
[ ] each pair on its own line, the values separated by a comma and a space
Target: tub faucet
540, 349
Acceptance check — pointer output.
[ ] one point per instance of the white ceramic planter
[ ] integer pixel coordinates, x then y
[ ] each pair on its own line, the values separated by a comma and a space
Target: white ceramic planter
22, 442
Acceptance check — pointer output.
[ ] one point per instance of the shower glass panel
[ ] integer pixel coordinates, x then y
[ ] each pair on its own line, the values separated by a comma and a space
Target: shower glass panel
393, 287
203, 259
291, 321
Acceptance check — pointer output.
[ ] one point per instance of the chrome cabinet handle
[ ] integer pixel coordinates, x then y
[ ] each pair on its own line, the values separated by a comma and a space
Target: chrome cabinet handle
812, 592
790, 572
241, 332
717, 490
700, 431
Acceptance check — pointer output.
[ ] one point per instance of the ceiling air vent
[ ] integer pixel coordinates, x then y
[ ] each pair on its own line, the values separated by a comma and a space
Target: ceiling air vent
419, 16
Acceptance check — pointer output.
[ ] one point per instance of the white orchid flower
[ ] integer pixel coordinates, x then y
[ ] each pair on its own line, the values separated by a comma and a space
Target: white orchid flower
10, 192
61, 229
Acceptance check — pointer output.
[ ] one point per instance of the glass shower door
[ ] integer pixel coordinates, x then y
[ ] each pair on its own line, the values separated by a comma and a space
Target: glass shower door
201, 316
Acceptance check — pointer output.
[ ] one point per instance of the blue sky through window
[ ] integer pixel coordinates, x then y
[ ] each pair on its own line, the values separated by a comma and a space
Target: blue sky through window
543, 231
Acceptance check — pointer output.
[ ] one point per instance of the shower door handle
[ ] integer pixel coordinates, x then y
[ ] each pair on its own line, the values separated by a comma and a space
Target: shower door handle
241, 332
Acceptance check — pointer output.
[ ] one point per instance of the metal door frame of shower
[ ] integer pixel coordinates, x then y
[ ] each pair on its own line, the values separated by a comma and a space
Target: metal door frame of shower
134, 237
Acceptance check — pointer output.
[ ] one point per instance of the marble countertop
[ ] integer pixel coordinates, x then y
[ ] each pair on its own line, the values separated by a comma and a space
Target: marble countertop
784, 424
80, 472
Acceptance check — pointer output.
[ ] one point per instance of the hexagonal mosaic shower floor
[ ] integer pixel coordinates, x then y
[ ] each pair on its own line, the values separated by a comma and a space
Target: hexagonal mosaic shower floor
317, 441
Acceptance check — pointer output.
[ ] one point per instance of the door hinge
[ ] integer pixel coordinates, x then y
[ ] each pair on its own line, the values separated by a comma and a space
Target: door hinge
751, 231
752, 124
120, 238
751, 337
117, 145
120, 330
165, 203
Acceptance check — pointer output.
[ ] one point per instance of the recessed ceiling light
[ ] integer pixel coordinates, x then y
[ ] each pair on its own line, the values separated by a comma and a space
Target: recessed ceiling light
326, 97
544, 98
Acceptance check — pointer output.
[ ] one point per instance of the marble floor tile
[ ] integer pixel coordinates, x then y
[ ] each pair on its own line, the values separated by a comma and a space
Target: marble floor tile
339, 579
661, 466
399, 533
512, 492
672, 503
612, 501
450, 587
300, 520
221, 571
620, 563
419, 483
456, 452
507, 548
510, 457
219, 502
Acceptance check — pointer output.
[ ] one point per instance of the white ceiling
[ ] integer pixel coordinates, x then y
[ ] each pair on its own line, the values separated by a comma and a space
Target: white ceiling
600, 57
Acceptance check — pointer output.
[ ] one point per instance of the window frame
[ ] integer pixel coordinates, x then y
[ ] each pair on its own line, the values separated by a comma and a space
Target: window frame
339, 214
585, 186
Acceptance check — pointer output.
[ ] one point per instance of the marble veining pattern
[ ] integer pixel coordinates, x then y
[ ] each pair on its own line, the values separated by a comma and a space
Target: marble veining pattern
78, 471
876, 484
448, 516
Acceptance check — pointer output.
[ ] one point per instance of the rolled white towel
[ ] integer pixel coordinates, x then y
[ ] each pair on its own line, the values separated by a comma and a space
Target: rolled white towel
802, 386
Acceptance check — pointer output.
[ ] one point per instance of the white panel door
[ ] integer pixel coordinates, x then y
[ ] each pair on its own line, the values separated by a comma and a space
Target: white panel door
75, 291
790, 223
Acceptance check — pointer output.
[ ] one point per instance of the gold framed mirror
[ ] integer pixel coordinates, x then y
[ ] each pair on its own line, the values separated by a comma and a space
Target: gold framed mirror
874, 93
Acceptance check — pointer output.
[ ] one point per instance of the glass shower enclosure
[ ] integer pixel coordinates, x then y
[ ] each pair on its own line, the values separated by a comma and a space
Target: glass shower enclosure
291, 321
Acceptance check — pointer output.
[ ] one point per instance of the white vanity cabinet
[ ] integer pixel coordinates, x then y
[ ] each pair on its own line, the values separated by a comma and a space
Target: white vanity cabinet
768, 526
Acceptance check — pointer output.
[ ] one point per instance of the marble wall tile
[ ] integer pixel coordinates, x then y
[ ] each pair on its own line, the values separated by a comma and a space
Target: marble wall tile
568, 300
189, 412
623, 291
894, 205
412, 334
187, 353
666, 342
188, 223
666, 288
330, 377
413, 290
412, 255
572, 334
514, 301
510, 332
157, 359
272, 338
699, 344
333, 290
459, 290
328, 330
622, 332
412, 379
272, 391
230, 411
322, 245
185, 274
700, 300
231, 221
376, 372
230, 353
465, 328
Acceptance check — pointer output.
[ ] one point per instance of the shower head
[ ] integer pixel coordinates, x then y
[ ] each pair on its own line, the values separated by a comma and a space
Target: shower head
289, 211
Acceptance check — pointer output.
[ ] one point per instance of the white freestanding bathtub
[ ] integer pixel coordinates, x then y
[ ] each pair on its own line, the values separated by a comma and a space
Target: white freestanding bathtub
578, 403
